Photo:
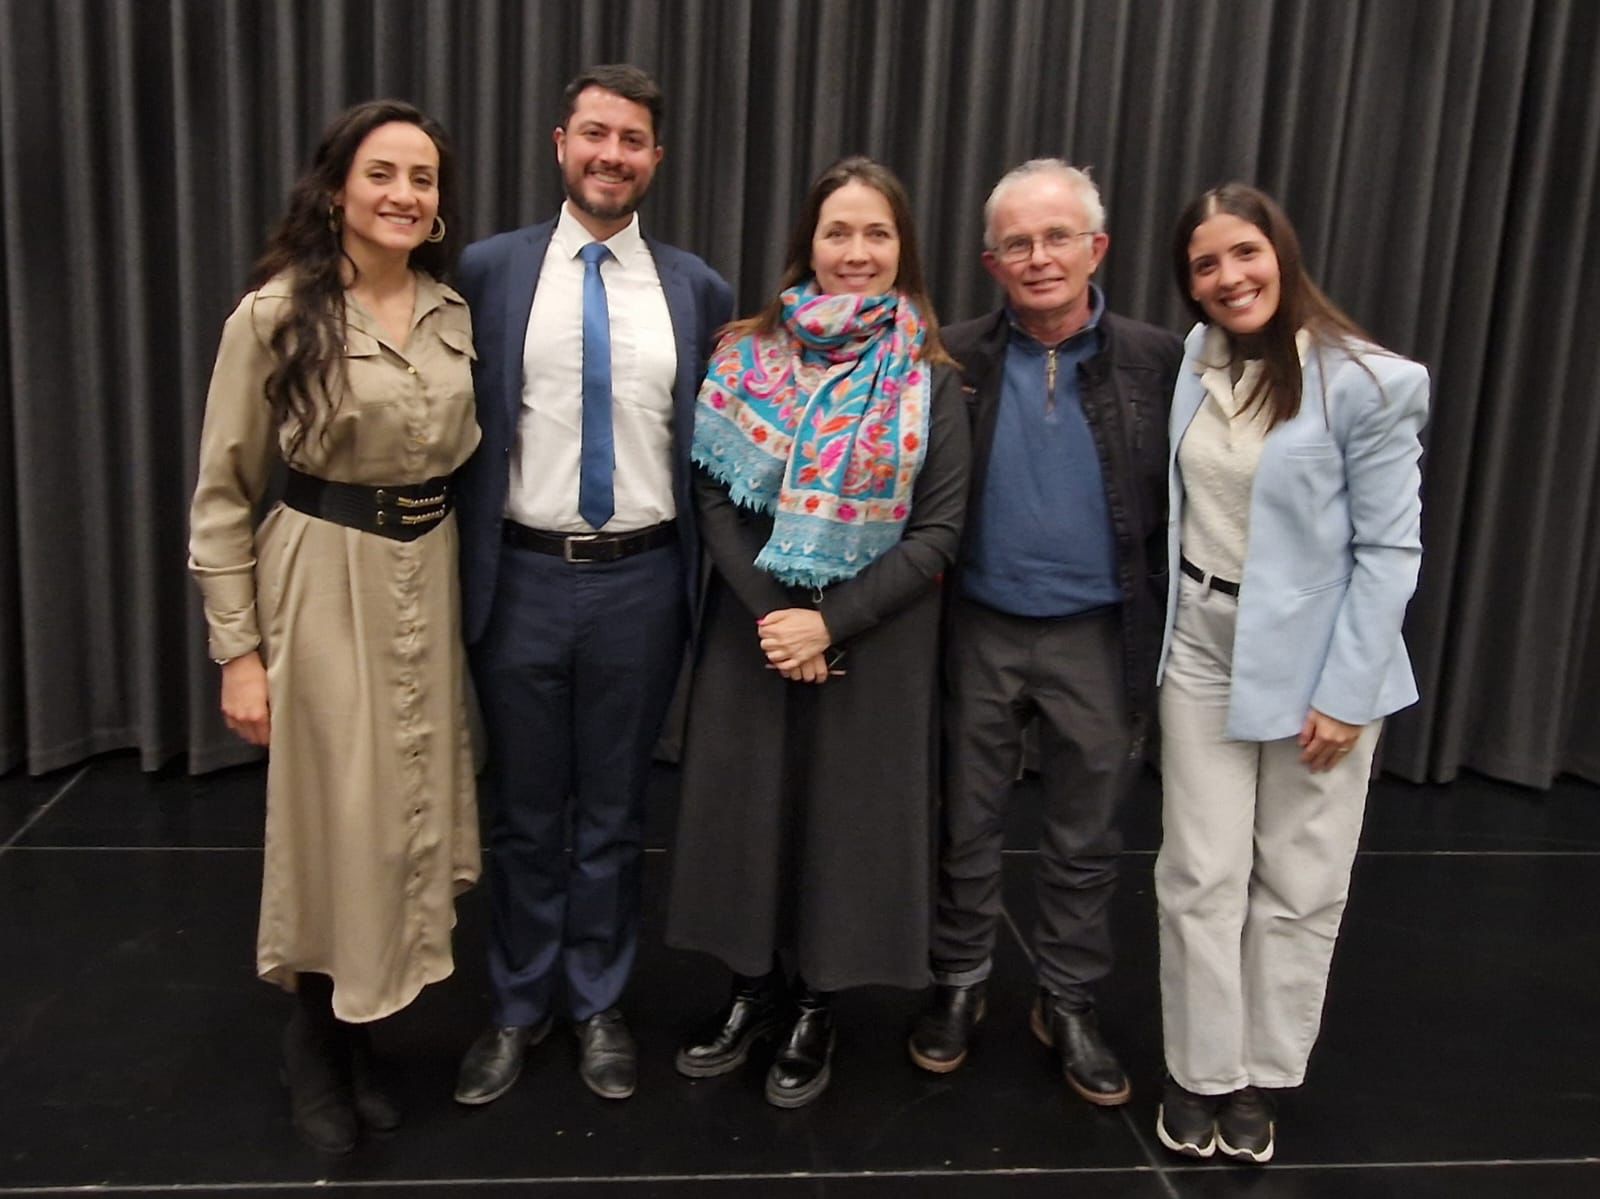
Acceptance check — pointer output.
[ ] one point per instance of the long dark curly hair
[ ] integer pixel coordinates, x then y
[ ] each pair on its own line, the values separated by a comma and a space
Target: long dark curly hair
308, 247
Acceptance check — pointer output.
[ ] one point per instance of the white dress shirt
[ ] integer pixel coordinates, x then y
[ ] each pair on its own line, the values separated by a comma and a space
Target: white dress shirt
644, 363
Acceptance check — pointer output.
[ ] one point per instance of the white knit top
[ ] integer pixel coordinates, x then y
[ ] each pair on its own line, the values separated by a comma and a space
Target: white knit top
1217, 458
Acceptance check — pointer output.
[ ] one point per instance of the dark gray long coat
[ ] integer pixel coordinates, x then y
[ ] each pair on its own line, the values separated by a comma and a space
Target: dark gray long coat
807, 811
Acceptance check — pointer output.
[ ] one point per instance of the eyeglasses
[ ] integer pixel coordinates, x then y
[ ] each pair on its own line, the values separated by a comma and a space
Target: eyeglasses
1020, 248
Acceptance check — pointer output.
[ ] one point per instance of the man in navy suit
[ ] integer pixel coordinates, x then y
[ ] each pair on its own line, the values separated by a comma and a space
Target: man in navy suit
577, 557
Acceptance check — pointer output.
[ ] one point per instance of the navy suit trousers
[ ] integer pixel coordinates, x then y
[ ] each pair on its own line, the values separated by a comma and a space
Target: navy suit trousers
574, 673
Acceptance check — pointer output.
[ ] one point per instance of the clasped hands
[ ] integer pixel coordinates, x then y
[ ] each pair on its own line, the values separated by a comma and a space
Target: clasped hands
796, 642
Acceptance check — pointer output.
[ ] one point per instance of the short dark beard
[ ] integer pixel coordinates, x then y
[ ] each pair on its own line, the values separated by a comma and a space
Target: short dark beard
602, 213
613, 213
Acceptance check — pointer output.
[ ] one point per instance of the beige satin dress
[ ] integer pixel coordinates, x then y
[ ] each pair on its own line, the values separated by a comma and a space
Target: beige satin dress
371, 815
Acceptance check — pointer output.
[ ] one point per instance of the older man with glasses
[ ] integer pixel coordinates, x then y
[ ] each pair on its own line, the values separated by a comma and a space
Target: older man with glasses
1056, 614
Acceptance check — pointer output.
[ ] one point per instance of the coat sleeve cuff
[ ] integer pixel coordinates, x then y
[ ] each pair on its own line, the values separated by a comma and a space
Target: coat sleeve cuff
229, 596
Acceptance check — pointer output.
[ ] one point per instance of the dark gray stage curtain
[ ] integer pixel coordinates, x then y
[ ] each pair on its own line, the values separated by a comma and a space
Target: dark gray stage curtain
1439, 158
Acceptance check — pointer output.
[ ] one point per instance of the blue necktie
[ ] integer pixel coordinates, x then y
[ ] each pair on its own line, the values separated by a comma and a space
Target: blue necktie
596, 501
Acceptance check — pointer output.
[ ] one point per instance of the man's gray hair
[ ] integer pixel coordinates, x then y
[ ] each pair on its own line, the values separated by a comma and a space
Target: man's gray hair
1094, 210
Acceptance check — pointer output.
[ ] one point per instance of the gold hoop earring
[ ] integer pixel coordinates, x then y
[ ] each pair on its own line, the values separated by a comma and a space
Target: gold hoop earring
335, 218
436, 234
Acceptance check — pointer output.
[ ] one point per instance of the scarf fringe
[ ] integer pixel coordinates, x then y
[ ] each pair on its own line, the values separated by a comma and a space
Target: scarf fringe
834, 467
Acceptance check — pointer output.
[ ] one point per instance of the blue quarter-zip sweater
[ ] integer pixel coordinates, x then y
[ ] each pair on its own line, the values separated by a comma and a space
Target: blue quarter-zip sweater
1044, 543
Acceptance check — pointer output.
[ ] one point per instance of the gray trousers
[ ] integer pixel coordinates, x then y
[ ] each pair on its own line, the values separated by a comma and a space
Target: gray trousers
999, 671
1253, 871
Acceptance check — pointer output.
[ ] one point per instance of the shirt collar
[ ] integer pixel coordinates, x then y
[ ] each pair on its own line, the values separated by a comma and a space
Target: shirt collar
431, 294
626, 244
1097, 308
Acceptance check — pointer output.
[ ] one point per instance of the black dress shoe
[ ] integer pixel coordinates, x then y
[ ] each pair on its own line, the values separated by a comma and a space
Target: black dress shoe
1087, 1063
376, 1110
1246, 1125
608, 1060
753, 1013
943, 1030
1186, 1122
494, 1062
804, 1065
316, 1069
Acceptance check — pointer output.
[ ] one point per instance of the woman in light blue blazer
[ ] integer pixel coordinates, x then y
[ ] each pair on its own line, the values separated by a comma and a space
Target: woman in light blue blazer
1294, 543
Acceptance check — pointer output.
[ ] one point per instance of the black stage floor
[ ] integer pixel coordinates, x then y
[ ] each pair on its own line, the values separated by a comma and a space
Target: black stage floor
1460, 1055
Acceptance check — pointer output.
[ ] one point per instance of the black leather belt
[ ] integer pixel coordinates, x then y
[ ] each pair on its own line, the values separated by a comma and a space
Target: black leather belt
590, 547
401, 513
1200, 576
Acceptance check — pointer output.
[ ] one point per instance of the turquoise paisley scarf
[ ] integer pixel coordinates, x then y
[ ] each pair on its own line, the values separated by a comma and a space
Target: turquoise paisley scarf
823, 424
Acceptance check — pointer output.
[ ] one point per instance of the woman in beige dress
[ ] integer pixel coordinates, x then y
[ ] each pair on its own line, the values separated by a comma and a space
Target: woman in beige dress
335, 620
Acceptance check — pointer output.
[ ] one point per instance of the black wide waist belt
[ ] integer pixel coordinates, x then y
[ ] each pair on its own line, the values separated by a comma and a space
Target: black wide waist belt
590, 547
401, 513
1200, 576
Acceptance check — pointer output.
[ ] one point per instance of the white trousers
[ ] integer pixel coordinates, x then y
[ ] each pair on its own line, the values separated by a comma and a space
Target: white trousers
1253, 872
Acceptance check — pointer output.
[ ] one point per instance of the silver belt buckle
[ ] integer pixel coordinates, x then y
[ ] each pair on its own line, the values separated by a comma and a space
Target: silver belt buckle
566, 547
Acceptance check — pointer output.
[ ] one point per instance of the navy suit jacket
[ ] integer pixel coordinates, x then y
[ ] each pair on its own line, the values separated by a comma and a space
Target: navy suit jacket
498, 277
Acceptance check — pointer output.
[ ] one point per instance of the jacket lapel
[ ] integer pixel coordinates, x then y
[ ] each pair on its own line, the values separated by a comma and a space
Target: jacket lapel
1186, 400
1187, 394
686, 337
522, 280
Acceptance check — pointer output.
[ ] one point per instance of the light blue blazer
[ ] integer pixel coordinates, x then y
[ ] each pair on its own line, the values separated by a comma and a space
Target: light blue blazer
1334, 544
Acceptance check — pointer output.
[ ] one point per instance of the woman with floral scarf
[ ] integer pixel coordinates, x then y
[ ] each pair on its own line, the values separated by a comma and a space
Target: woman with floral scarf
832, 454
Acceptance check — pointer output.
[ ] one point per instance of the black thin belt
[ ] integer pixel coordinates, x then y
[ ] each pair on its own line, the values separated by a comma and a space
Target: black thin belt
590, 547
401, 513
1200, 576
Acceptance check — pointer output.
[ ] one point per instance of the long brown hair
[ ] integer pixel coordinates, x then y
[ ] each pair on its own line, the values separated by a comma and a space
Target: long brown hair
909, 280
308, 246
1301, 303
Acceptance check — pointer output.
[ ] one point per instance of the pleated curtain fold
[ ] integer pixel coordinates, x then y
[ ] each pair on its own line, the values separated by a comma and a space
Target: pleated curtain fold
1439, 157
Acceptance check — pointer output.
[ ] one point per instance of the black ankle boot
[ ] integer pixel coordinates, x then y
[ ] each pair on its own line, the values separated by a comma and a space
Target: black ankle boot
376, 1110
940, 1037
754, 1012
803, 1066
1070, 1027
316, 1069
